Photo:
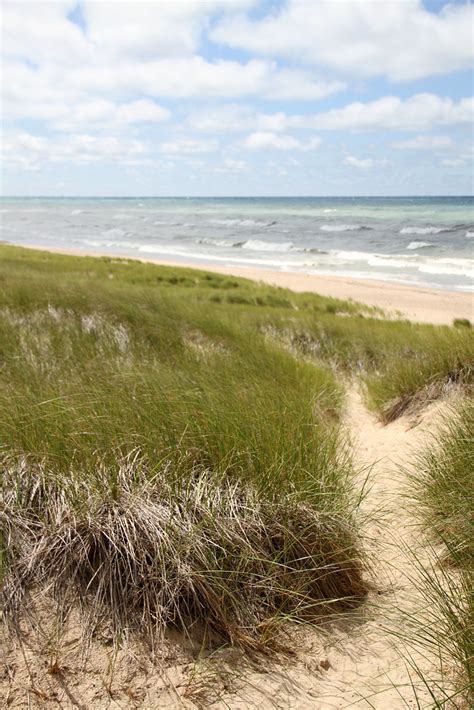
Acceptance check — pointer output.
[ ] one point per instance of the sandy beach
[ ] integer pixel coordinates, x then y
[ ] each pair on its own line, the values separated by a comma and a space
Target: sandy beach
424, 305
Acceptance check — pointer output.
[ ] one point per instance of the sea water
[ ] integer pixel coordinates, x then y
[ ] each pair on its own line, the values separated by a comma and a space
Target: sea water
414, 240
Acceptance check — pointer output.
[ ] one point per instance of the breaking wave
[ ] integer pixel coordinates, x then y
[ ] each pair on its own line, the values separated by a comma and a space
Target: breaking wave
423, 230
342, 227
420, 245
259, 245
242, 223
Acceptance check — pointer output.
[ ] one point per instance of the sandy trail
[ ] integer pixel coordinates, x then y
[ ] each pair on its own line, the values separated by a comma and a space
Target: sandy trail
362, 663
358, 663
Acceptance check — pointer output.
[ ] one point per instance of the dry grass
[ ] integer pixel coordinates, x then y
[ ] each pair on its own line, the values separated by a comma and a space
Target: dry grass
196, 555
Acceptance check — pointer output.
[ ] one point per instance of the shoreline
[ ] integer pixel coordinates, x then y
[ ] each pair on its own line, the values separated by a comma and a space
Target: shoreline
415, 303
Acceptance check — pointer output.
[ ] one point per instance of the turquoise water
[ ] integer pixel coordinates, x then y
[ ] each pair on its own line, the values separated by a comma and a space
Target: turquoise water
420, 240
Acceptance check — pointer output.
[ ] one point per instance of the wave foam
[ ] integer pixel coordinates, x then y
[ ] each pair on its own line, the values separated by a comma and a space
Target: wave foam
242, 223
259, 245
219, 242
422, 230
419, 245
342, 227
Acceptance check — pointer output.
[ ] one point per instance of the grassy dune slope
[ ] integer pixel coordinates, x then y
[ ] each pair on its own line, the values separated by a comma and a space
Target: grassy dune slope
163, 462
170, 440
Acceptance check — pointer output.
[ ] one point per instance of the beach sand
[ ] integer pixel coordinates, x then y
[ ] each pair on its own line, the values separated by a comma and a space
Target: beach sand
424, 305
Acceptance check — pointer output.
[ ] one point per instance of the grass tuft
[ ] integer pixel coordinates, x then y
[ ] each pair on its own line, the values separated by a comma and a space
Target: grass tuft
443, 488
155, 551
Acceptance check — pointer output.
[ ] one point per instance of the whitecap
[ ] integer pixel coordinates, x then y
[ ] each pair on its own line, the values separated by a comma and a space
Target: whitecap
219, 242
470, 235
341, 227
420, 245
422, 230
241, 223
259, 245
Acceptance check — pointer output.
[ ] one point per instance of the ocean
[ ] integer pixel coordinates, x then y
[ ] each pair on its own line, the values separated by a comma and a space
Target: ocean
426, 241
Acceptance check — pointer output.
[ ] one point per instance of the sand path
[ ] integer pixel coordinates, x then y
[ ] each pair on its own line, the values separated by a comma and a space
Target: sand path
362, 663
358, 663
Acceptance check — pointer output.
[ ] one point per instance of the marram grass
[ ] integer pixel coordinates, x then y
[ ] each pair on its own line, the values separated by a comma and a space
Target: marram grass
443, 488
163, 464
171, 446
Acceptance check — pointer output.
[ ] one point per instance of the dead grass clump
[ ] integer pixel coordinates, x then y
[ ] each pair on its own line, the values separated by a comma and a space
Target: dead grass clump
145, 552
412, 402
201, 345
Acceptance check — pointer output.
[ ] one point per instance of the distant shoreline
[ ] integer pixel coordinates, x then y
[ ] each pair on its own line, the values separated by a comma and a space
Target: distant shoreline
416, 303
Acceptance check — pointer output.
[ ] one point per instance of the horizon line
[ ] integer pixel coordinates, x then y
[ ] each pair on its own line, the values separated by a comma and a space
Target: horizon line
226, 197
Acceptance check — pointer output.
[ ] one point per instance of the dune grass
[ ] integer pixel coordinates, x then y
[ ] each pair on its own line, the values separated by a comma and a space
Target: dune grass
443, 488
403, 365
171, 447
163, 464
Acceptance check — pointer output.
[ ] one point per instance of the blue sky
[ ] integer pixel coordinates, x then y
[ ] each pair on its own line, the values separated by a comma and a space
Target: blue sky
237, 97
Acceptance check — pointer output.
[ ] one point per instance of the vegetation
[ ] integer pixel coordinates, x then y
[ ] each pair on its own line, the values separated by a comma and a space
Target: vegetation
163, 462
443, 486
166, 459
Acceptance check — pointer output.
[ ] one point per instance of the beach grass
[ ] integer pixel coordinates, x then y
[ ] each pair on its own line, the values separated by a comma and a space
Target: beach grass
442, 485
163, 463
171, 441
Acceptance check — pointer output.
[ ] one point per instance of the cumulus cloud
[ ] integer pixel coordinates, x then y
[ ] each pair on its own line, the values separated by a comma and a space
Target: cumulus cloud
147, 29
129, 49
360, 163
231, 166
96, 75
30, 151
418, 112
189, 145
421, 111
275, 141
265, 139
401, 40
101, 114
425, 143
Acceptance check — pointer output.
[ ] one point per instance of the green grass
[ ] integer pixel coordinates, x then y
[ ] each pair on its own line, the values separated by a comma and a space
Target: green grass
443, 488
163, 461
171, 444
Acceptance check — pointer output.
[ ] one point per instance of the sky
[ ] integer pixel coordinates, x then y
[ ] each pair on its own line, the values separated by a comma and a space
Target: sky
237, 97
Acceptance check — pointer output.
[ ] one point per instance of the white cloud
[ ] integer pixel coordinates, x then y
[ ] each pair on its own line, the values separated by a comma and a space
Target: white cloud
365, 163
453, 162
32, 151
40, 32
141, 111
196, 76
419, 112
425, 143
101, 114
150, 29
267, 139
231, 166
401, 40
189, 145
229, 118
361, 163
